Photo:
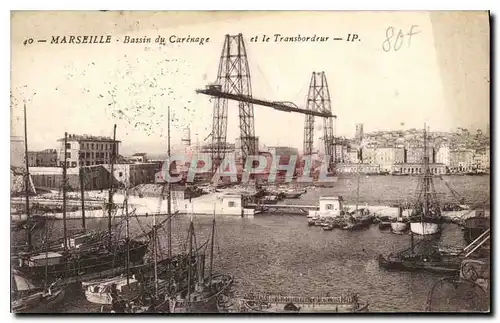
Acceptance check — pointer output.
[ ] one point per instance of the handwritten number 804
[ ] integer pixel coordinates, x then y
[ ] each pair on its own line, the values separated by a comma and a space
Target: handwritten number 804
394, 41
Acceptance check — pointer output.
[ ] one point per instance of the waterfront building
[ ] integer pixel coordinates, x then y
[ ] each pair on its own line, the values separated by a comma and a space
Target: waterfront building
352, 156
44, 158
86, 150
354, 168
139, 158
415, 155
385, 157
461, 160
340, 152
368, 155
239, 150
482, 159
94, 177
417, 169
443, 155
130, 175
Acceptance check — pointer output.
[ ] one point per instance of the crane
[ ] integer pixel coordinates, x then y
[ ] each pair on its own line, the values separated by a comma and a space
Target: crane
215, 91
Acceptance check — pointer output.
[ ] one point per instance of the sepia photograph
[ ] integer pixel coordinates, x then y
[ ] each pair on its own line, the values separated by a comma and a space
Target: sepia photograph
250, 162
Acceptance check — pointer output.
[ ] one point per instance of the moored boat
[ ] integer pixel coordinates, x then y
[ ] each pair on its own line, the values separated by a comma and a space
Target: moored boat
26, 297
474, 226
425, 228
434, 263
384, 225
328, 227
204, 298
297, 304
100, 292
426, 219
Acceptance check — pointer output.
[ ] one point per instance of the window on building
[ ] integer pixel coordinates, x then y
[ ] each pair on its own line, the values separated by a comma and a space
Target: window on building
92, 155
102, 147
87, 163
68, 146
87, 145
92, 145
120, 174
231, 204
68, 155
329, 206
73, 164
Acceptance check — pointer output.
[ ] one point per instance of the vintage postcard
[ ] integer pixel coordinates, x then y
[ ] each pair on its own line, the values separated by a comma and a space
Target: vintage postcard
250, 162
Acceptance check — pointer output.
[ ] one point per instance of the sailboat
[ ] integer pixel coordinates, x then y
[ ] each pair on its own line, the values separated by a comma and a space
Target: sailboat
80, 257
203, 298
26, 297
400, 224
32, 221
360, 218
425, 218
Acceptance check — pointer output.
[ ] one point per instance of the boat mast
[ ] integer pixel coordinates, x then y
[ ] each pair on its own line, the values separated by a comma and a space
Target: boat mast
211, 252
64, 191
155, 259
190, 256
27, 175
111, 186
169, 198
127, 233
426, 175
82, 193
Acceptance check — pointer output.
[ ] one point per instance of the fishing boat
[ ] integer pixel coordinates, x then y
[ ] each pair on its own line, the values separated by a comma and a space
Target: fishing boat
290, 194
293, 304
26, 297
425, 218
423, 255
328, 227
206, 289
433, 263
384, 225
400, 224
204, 298
100, 292
475, 225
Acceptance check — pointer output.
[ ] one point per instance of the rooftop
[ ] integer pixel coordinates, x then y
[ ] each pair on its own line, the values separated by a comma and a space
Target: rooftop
139, 154
74, 137
56, 170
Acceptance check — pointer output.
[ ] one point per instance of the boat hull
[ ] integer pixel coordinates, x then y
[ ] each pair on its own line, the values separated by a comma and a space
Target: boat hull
82, 263
452, 266
399, 227
384, 225
425, 228
205, 304
46, 303
249, 306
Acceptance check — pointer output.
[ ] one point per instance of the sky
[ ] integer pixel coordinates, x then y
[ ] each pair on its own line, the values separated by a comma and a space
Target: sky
440, 76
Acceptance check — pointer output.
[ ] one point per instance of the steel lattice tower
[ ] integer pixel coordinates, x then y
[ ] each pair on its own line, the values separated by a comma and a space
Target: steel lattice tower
233, 77
318, 99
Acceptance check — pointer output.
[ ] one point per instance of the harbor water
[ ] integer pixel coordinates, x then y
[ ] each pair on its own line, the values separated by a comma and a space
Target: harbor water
280, 254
